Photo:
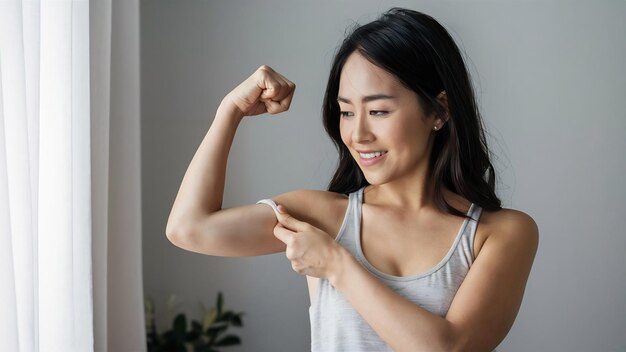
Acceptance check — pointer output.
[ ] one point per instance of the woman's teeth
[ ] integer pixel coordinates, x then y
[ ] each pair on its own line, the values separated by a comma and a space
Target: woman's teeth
372, 155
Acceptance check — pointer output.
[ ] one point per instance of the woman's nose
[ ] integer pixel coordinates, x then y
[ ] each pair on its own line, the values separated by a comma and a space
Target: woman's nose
361, 132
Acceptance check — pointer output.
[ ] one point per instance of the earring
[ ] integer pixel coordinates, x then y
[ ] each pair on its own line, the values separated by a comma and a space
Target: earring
436, 128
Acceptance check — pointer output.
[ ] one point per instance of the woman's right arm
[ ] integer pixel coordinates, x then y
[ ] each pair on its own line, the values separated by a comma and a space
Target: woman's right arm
197, 221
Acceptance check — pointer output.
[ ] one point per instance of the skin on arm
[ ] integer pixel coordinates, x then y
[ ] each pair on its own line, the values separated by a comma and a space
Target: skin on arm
197, 221
484, 307
488, 300
248, 230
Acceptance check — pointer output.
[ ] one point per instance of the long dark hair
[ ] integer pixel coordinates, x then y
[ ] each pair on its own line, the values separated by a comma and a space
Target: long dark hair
423, 56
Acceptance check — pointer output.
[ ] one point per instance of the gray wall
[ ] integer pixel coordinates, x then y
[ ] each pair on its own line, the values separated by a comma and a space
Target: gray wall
550, 83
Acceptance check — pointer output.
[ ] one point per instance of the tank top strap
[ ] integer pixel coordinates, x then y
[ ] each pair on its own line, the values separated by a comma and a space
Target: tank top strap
358, 199
475, 212
351, 220
470, 232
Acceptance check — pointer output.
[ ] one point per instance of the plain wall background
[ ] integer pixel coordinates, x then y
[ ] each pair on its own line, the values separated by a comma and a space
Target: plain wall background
550, 83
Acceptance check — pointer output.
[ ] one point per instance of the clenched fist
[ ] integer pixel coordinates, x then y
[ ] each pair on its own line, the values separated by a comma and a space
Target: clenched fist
264, 91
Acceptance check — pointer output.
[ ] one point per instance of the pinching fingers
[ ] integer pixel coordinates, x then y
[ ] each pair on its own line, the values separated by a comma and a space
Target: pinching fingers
283, 234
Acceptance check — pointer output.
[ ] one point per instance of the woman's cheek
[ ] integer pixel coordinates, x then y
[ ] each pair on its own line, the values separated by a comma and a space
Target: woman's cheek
345, 135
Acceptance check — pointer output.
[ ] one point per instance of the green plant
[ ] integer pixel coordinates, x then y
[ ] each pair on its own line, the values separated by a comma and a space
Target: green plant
201, 337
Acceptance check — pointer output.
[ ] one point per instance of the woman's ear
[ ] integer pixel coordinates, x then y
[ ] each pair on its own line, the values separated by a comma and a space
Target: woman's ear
442, 98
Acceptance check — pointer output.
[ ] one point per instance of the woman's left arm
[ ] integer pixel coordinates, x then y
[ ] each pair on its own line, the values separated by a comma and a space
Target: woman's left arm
482, 311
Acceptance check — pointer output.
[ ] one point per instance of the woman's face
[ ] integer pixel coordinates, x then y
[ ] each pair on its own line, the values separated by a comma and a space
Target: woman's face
391, 120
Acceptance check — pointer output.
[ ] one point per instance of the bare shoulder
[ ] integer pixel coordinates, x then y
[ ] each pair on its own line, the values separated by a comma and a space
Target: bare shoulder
320, 208
512, 226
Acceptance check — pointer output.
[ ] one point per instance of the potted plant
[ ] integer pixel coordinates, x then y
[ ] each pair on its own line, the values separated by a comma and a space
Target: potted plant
199, 337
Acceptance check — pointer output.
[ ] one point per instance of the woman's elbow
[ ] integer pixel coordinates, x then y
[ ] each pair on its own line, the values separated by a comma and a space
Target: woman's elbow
177, 233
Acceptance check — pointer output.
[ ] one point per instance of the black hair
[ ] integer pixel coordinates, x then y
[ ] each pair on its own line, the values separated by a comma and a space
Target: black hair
419, 51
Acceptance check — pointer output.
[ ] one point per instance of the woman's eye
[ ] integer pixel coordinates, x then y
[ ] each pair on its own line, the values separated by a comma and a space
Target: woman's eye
372, 112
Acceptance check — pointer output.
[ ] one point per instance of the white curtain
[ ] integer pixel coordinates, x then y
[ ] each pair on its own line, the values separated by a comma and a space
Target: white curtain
70, 233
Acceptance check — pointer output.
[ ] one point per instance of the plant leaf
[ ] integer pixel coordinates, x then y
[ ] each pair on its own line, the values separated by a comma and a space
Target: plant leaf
226, 316
228, 340
237, 320
209, 318
216, 329
220, 300
180, 325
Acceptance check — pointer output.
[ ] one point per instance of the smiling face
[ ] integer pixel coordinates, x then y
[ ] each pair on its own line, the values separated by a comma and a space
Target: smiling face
379, 114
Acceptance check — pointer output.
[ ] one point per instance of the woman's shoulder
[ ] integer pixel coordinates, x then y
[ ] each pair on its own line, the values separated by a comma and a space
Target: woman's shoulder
510, 226
507, 219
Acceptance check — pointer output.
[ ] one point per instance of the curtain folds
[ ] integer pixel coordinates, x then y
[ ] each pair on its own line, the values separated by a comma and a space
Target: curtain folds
70, 231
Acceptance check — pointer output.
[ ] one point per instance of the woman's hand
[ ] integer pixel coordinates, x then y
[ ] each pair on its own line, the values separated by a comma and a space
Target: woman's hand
264, 91
311, 251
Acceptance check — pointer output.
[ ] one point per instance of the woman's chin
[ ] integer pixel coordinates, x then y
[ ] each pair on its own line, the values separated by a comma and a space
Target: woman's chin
375, 181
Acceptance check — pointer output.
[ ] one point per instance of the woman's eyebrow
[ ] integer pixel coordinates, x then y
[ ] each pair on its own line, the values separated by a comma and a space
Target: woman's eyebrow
367, 98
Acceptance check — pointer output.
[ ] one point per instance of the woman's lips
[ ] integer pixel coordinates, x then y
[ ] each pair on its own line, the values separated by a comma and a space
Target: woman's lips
371, 161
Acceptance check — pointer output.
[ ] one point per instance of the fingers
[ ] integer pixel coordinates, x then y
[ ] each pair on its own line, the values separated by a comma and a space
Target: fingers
283, 234
277, 90
287, 237
264, 91
289, 222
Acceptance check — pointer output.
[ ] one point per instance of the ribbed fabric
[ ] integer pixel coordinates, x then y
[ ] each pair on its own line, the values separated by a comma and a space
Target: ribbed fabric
337, 326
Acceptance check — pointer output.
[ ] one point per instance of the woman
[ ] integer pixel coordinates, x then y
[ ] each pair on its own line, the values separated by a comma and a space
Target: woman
392, 251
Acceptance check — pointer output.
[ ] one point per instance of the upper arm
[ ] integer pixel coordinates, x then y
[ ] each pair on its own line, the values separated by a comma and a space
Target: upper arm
246, 230
487, 302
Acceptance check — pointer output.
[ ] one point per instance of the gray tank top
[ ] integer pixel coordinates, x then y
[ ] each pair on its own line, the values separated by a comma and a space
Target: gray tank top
337, 326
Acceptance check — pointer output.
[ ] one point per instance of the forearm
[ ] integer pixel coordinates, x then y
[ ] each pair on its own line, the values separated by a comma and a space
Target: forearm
403, 325
202, 188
